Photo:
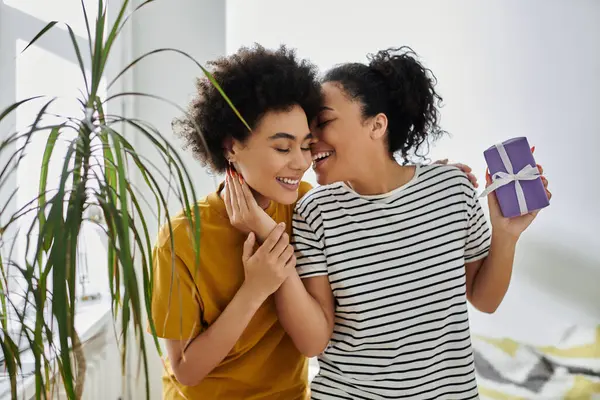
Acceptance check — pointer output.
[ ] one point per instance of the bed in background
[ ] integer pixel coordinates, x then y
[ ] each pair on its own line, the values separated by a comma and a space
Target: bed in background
510, 370
544, 340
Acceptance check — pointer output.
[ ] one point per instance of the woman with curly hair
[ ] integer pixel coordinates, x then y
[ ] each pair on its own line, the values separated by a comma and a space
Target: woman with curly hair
388, 253
219, 321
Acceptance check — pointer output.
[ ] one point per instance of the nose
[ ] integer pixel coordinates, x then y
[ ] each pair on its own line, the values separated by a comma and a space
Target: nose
301, 160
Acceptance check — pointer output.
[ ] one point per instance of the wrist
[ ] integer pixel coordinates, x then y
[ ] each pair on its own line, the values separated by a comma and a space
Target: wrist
252, 296
504, 240
263, 227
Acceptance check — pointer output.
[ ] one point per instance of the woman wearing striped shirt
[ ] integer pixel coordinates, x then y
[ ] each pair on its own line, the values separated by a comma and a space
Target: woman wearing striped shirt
388, 254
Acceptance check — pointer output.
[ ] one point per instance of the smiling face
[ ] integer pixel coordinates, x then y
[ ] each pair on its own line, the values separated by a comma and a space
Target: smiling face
275, 156
344, 145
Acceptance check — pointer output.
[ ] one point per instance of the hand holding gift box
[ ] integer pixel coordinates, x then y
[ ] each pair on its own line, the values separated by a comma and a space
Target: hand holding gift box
514, 177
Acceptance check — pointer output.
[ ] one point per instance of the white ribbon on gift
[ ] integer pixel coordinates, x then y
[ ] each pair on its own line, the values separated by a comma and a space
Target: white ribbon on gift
500, 178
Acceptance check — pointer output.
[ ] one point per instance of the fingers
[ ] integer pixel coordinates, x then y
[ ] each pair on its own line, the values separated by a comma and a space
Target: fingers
288, 253
534, 214
248, 247
463, 167
273, 238
291, 263
281, 245
473, 179
545, 182
488, 178
247, 193
228, 200
239, 201
540, 168
548, 193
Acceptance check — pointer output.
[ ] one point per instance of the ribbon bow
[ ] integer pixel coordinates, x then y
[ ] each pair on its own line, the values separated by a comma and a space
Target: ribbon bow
500, 178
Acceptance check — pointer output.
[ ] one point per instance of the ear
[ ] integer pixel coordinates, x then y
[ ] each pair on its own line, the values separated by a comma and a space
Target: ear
379, 124
229, 149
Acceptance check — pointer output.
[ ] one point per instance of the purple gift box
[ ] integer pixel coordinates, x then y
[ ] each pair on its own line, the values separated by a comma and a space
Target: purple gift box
516, 154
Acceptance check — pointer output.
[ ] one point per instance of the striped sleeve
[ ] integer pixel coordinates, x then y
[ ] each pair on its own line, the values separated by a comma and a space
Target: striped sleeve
478, 231
308, 242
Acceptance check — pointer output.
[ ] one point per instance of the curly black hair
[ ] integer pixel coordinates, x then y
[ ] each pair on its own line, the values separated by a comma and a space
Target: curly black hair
396, 84
256, 80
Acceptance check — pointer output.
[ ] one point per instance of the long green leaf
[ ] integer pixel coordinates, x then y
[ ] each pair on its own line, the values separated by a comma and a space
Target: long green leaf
97, 54
111, 180
47, 239
128, 18
193, 218
16, 105
123, 229
11, 354
58, 261
210, 77
79, 58
40, 34
114, 31
3, 295
87, 26
147, 285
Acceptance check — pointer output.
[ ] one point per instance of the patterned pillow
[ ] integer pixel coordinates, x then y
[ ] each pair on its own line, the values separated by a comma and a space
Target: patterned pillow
510, 370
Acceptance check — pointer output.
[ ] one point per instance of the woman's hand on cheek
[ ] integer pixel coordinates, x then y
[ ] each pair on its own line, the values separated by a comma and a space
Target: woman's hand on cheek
244, 212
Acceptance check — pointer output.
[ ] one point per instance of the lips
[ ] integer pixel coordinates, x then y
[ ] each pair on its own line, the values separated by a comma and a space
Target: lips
320, 157
288, 181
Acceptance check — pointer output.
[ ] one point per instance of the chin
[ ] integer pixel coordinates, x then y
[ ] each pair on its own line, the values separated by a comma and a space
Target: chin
285, 198
281, 196
324, 178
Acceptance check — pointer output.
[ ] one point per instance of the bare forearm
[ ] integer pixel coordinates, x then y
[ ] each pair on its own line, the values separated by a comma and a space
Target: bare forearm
493, 278
302, 317
209, 349
264, 229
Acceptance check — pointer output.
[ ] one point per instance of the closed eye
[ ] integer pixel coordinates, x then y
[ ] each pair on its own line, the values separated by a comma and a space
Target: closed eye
285, 151
322, 124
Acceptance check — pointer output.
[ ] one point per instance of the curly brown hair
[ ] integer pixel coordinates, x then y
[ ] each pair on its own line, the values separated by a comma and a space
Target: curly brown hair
397, 84
256, 80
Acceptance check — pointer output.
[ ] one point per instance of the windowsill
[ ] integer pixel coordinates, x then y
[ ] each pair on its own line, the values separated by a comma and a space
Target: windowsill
91, 318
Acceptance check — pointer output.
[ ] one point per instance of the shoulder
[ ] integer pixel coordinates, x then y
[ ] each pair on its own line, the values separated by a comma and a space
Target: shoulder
446, 176
180, 227
304, 188
319, 195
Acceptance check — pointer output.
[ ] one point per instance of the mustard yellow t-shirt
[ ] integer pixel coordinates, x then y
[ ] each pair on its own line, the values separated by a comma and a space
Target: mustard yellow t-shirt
264, 363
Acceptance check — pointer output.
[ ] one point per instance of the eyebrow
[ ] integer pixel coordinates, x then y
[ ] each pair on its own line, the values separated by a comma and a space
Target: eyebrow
284, 135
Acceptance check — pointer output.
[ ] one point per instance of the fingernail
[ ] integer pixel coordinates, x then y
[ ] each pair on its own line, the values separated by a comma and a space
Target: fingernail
532, 149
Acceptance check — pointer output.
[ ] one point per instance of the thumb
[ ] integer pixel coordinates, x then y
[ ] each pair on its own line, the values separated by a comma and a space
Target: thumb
248, 247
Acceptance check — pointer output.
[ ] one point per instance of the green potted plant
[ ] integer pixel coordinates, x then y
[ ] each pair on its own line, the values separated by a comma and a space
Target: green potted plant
98, 152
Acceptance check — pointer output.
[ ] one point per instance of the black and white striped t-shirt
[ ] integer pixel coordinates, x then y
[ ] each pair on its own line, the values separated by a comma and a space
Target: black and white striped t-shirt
396, 264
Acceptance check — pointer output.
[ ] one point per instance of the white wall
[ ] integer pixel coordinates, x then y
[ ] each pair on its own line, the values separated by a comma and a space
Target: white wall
505, 68
198, 28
